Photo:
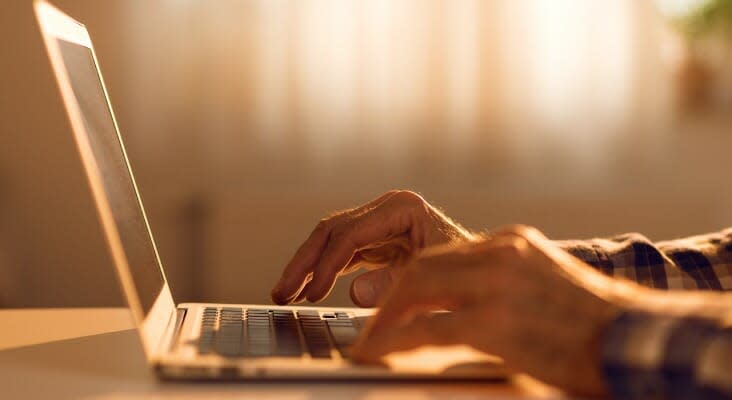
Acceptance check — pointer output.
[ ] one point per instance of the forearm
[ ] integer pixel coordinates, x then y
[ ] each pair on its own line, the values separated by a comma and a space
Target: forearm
670, 354
699, 262
666, 344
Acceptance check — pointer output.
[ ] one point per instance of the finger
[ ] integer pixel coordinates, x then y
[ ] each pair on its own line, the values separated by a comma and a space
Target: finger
489, 327
443, 281
300, 266
308, 254
299, 295
387, 220
438, 329
395, 251
354, 265
299, 298
369, 288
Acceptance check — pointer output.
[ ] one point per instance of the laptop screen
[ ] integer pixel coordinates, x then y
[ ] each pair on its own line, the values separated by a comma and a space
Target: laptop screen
114, 169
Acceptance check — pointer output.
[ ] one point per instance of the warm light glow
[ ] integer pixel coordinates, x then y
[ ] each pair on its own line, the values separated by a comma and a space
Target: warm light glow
325, 49
462, 56
375, 80
434, 360
579, 64
271, 65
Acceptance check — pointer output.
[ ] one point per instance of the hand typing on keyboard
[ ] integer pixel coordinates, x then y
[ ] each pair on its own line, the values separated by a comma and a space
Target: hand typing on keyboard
380, 235
512, 293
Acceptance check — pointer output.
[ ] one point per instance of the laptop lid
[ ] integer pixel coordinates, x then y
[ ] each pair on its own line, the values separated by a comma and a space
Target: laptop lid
107, 168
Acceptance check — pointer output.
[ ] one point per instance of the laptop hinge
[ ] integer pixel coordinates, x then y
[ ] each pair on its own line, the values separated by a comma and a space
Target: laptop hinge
170, 336
180, 315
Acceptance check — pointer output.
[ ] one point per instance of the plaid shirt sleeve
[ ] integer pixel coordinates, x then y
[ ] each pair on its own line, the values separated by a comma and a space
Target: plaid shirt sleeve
652, 356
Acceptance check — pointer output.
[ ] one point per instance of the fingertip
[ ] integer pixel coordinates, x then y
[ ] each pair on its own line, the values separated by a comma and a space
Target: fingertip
370, 348
281, 295
360, 359
314, 297
277, 298
366, 358
278, 286
362, 292
360, 354
315, 292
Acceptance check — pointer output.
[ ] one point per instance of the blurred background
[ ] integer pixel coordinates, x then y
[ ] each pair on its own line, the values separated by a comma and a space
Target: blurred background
247, 121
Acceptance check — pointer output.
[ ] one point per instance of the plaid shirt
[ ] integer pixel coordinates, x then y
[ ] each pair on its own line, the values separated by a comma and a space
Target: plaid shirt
649, 356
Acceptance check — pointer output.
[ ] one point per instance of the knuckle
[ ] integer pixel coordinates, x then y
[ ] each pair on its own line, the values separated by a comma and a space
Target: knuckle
515, 247
323, 224
342, 235
333, 222
408, 197
516, 230
346, 226
517, 244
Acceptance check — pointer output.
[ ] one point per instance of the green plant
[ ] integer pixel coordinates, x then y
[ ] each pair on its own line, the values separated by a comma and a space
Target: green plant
712, 16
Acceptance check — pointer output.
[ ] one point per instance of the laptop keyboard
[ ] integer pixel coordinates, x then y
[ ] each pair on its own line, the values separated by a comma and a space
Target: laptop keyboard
259, 332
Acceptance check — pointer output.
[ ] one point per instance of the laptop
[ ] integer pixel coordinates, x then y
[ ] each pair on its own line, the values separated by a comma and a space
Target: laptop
198, 341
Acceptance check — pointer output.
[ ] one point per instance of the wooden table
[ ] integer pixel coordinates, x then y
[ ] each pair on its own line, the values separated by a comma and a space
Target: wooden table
94, 353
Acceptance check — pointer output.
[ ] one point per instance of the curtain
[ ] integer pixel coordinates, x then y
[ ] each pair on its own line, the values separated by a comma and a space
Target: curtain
403, 85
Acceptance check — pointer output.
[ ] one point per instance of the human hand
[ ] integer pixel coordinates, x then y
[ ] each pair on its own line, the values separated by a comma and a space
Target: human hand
385, 232
514, 295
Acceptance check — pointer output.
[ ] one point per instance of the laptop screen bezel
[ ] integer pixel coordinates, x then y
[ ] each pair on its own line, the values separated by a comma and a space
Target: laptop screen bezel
55, 26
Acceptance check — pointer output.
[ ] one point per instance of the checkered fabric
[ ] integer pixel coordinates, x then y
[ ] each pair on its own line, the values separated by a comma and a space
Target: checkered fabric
653, 356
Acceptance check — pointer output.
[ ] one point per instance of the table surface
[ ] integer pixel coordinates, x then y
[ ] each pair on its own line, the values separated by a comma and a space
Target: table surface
94, 353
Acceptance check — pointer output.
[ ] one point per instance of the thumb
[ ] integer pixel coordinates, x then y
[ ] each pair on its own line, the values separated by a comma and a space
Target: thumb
370, 287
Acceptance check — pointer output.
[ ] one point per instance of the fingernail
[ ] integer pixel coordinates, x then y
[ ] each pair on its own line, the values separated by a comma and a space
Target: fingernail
363, 290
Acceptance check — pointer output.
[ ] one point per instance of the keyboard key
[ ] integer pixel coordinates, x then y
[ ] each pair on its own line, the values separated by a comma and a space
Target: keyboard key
207, 334
228, 341
259, 337
315, 334
305, 314
344, 333
287, 334
258, 332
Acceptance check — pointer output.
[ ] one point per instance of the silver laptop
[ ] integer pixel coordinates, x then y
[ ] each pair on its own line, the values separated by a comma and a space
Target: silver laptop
208, 341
